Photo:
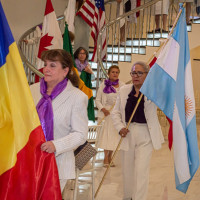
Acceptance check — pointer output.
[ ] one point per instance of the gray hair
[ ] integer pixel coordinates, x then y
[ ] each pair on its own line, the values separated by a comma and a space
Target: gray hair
143, 64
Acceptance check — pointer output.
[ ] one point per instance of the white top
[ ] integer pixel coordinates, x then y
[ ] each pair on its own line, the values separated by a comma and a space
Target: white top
109, 137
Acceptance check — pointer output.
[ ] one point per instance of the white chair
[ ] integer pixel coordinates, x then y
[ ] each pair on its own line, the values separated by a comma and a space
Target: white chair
93, 136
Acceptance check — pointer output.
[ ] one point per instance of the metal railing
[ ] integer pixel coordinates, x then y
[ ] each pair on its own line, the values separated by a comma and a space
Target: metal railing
29, 52
132, 29
138, 34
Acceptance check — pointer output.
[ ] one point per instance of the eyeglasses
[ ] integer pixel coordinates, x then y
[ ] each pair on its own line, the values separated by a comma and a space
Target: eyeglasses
139, 73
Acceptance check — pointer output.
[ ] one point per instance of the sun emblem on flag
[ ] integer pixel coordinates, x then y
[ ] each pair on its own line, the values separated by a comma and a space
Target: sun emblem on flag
188, 106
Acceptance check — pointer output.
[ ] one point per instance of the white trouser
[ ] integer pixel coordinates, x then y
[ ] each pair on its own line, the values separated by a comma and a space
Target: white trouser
136, 161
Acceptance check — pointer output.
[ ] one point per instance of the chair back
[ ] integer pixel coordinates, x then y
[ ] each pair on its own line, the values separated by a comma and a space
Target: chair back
93, 133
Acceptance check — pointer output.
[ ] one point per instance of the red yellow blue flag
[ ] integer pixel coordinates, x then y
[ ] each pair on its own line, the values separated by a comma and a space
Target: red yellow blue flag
25, 171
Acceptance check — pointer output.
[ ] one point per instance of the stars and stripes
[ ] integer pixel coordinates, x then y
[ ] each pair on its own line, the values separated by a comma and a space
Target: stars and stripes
93, 12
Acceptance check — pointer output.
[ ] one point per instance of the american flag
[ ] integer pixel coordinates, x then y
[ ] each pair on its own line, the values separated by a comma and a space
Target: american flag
93, 12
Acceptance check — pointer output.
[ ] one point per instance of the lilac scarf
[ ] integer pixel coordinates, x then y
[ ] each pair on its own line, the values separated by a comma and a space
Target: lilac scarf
109, 86
81, 66
45, 109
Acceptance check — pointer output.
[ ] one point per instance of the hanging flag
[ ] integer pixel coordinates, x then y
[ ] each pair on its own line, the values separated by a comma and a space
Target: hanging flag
93, 12
51, 35
25, 171
138, 4
69, 14
87, 90
87, 11
169, 85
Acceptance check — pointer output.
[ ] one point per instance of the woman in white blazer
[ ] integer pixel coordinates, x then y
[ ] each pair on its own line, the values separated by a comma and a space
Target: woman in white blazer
106, 97
62, 110
143, 135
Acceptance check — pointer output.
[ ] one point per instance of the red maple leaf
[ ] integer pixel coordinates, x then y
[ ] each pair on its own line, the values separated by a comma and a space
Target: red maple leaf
45, 41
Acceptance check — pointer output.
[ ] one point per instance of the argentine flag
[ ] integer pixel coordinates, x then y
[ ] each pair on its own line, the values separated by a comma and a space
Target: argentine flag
169, 85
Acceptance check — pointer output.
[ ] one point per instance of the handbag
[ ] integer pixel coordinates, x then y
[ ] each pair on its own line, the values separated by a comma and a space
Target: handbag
83, 154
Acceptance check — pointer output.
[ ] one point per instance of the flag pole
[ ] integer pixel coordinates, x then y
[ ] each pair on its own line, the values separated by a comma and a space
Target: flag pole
118, 146
138, 102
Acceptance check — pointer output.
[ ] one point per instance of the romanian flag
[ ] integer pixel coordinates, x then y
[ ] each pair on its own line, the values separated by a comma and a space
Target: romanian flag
26, 173
84, 84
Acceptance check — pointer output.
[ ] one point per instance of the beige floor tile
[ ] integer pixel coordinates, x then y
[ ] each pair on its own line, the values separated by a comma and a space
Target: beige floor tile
161, 176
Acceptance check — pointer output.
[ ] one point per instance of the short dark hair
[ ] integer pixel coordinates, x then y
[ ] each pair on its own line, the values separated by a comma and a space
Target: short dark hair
78, 51
113, 67
71, 36
65, 59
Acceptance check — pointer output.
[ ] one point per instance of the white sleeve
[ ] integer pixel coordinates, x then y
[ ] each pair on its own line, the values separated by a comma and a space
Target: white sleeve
117, 115
99, 97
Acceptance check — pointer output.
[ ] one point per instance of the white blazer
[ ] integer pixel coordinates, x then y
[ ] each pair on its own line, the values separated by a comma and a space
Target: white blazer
70, 126
150, 111
101, 98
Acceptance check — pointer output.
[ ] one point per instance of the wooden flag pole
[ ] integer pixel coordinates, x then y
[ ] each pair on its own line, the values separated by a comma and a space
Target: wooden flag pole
118, 146
133, 113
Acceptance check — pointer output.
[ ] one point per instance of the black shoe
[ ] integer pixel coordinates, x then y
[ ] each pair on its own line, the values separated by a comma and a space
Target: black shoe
157, 30
164, 31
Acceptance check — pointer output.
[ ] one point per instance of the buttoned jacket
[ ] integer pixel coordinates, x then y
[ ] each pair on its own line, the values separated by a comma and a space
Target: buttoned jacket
150, 111
70, 126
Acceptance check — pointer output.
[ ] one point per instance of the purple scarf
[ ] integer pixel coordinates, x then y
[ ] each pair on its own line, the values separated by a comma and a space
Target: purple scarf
108, 86
81, 66
45, 109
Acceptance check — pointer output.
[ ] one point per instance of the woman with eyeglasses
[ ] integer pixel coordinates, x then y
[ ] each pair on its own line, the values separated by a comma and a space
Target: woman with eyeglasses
86, 74
81, 59
106, 97
143, 135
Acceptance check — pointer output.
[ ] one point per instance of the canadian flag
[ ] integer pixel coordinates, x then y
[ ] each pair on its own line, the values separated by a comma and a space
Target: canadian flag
51, 37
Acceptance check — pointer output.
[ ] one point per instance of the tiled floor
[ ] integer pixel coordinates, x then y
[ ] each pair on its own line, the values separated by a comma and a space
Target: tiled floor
161, 177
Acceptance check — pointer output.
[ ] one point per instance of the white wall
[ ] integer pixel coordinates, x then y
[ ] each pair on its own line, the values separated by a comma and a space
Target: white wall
194, 43
24, 14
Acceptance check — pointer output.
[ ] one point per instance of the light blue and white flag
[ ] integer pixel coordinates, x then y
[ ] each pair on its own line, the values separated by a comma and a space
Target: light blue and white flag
169, 85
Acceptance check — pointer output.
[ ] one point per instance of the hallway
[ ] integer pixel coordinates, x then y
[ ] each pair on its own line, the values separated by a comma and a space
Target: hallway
161, 176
